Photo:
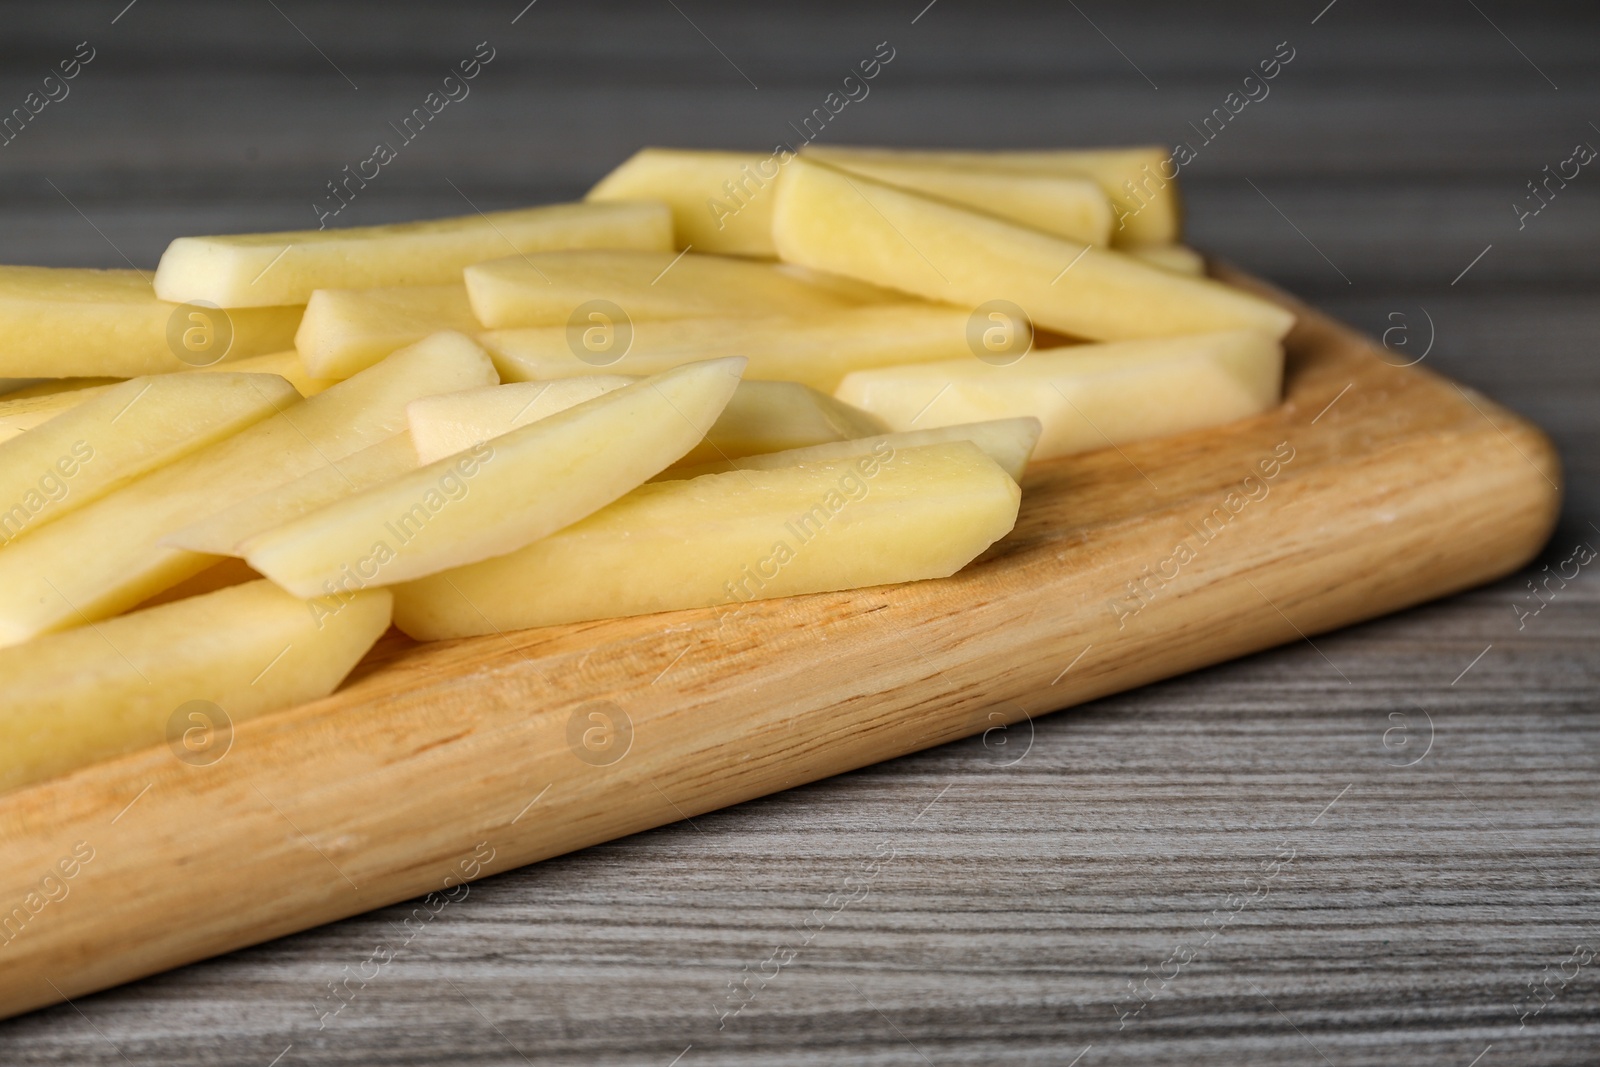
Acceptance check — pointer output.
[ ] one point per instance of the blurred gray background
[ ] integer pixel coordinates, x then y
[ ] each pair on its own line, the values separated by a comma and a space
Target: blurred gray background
1426, 916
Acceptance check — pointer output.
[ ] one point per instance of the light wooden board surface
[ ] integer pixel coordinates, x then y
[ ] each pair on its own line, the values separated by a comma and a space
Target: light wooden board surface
415, 776
1020, 904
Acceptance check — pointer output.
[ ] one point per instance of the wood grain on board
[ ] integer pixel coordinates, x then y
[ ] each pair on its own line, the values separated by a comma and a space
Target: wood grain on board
1438, 770
417, 775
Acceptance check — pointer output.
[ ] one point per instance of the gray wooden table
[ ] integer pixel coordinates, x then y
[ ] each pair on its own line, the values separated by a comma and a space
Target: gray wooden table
1081, 896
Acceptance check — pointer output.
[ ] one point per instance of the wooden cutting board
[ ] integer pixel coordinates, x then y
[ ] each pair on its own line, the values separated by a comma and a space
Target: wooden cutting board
1373, 487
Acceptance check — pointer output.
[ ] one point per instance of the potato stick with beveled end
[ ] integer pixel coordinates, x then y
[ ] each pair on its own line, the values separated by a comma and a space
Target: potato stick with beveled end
63, 323
347, 330
816, 350
729, 219
222, 534
453, 422
33, 406
761, 416
889, 516
182, 674
105, 558
502, 494
1062, 205
1137, 180
722, 201
115, 436
852, 225
601, 291
1009, 442
253, 269
1087, 396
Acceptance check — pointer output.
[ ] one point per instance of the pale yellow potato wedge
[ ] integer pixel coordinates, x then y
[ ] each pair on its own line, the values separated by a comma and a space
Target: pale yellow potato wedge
63, 323
348, 330
760, 417
890, 516
37, 404
1135, 179
286, 365
224, 533
117, 435
1009, 442
255, 269
502, 494
182, 674
1087, 396
777, 416
720, 201
444, 425
26, 410
852, 225
1060, 204
105, 558
549, 288
1180, 258
723, 201
817, 350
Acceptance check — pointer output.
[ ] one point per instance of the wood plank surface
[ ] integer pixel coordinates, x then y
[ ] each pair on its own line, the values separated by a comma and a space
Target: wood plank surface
1017, 907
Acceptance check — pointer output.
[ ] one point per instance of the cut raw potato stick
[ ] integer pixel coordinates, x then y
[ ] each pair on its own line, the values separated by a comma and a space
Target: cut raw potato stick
851, 225
721, 201
1063, 205
117, 435
1009, 442
286, 365
444, 425
1179, 258
502, 494
105, 558
1144, 196
552, 289
1087, 396
777, 416
890, 516
816, 350
760, 417
65, 323
222, 534
348, 330
25, 410
182, 674
255, 269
